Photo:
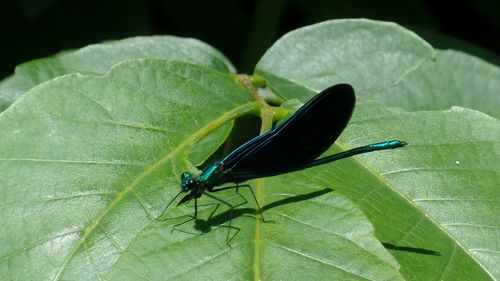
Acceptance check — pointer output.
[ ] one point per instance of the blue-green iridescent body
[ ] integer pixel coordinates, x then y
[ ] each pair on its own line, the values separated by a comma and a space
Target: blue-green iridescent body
291, 146
215, 175
212, 176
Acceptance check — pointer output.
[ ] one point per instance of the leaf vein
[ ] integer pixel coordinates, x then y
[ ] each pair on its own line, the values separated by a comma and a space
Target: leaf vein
333, 233
67, 161
316, 259
196, 136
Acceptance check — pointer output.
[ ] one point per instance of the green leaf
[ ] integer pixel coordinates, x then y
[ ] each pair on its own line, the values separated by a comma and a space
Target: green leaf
88, 163
99, 58
301, 241
445, 197
367, 54
383, 61
454, 78
445, 42
98, 158
439, 193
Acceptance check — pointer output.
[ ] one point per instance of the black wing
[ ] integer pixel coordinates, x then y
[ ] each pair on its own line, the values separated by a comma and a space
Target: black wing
298, 140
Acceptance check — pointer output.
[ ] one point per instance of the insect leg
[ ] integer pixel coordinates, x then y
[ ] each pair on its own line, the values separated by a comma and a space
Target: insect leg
192, 218
253, 195
231, 208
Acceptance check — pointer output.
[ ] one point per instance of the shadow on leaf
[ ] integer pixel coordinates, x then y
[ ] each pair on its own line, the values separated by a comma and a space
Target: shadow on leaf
410, 249
226, 216
205, 226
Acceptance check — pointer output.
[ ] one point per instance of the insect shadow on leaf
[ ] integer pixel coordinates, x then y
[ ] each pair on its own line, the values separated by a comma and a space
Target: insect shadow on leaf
225, 218
411, 249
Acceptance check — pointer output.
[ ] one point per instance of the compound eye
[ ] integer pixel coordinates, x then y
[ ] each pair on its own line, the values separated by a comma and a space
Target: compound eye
185, 175
186, 181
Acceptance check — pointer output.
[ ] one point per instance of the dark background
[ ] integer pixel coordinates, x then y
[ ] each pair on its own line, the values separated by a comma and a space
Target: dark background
242, 30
